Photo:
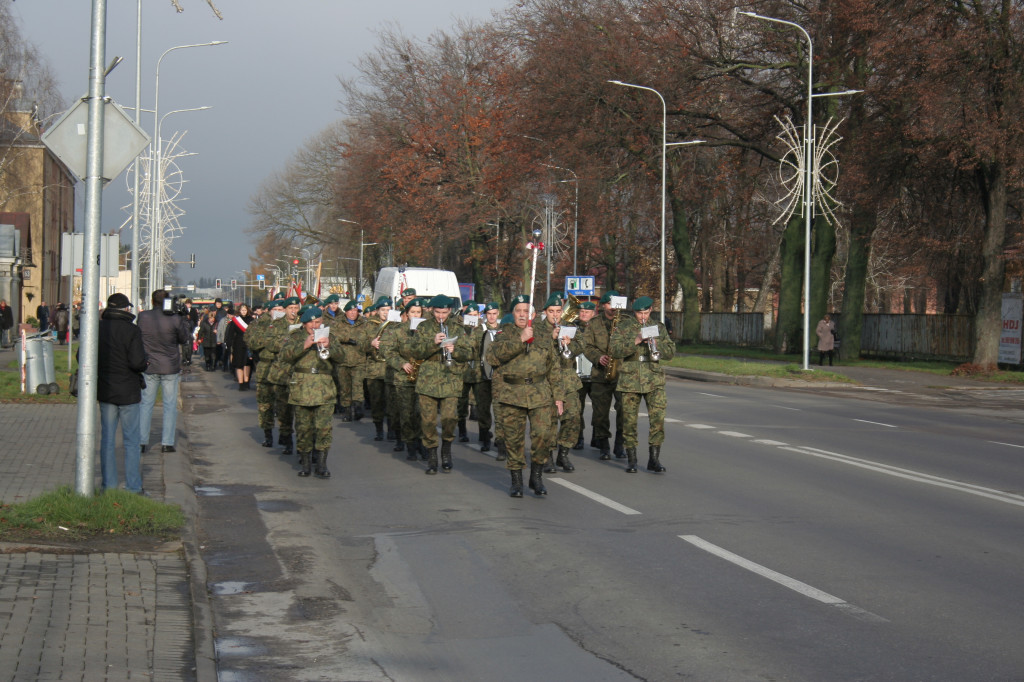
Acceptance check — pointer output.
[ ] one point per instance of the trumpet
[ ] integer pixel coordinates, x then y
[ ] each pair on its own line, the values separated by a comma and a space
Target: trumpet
323, 351
446, 355
652, 348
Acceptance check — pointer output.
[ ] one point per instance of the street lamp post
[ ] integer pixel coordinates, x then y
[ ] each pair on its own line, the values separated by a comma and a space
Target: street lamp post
155, 235
576, 212
664, 147
359, 283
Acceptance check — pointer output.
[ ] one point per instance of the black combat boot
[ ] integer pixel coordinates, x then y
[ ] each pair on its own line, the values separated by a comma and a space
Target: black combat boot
630, 460
463, 436
502, 455
268, 438
287, 445
357, 412
346, 414
620, 450
413, 451
579, 443
549, 465
485, 443
431, 460
305, 461
321, 470
391, 432
446, 456
424, 454
606, 453
282, 439
516, 489
563, 459
380, 430
537, 479
654, 461
399, 446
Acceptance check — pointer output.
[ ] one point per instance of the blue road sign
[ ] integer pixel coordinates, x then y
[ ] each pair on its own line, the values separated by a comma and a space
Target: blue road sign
579, 285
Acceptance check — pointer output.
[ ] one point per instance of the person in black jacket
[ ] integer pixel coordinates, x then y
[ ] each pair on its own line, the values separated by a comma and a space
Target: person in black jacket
121, 362
163, 332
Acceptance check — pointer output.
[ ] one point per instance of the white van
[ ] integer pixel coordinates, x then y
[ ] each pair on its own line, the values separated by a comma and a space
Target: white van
426, 281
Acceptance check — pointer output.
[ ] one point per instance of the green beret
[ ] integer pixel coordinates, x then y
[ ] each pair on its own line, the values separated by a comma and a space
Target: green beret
441, 301
588, 305
643, 303
311, 313
608, 296
521, 298
279, 296
276, 303
408, 292
508, 318
554, 299
333, 298
350, 305
382, 302
291, 300
470, 304
491, 306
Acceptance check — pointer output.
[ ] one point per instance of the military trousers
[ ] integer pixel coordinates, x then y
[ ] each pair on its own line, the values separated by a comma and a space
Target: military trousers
394, 416
265, 400
513, 430
430, 409
285, 412
313, 426
656, 405
602, 396
407, 405
377, 391
482, 392
583, 393
569, 421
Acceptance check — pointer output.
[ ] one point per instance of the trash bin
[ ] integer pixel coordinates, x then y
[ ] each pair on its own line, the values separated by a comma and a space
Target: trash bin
40, 375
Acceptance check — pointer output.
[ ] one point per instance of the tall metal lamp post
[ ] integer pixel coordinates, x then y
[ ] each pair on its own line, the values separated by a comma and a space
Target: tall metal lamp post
359, 284
576, 212
664, 147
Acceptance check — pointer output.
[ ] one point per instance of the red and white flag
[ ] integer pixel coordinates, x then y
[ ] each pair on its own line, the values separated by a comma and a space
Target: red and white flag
239, 322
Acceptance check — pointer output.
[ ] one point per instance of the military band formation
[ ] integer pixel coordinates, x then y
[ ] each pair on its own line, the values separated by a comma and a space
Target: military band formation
416, 362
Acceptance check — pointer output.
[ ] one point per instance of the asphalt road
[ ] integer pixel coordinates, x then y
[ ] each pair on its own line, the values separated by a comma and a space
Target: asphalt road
797, 535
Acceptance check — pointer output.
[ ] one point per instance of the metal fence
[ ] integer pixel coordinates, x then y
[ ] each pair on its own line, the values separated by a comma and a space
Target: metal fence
735, 329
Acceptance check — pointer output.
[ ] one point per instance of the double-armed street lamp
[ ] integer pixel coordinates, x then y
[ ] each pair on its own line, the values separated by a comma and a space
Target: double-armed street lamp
359, 283
664, 147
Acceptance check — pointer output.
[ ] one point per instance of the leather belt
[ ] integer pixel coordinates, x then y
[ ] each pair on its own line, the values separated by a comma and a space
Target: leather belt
308, 370
519, 381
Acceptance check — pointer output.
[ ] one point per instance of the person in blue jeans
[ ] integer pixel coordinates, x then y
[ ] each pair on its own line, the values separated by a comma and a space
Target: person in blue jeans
163, 333
121, 363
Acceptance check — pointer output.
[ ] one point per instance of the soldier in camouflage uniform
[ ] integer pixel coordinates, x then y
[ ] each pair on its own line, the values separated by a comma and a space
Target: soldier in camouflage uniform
483, 389
255, 337
386, 350
584, 367
376, 367
396, 342
312, 391
641, 376
471, 328
349, 329
527, 386
277, 374
596, 343
568, 422
439, 383
333, 316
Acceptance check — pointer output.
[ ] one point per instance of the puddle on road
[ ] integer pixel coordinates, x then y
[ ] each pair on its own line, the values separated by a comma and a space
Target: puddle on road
228, 647
209, 491
227, 587
278, 505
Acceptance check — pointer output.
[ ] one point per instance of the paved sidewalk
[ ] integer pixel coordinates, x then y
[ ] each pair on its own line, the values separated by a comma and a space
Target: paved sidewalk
75, 616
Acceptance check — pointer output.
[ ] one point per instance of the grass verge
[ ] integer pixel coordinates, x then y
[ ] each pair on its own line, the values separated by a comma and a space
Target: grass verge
10, 380
745, 367
64, 515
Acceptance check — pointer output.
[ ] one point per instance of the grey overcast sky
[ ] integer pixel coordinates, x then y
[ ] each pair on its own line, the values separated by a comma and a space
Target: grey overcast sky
272, 87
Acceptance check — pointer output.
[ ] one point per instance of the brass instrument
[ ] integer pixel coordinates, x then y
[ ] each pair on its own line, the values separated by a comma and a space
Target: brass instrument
379, 332
446, 355
415, 369
652, 347
569, 316
612, 370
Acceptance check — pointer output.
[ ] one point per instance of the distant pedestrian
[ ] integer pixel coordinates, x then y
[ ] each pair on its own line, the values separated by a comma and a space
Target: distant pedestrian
61, 322
162, 334
207, 338
191, 315
121, 362
43, 316
6, 323
223, 355
826, 331
76, 319
234, 339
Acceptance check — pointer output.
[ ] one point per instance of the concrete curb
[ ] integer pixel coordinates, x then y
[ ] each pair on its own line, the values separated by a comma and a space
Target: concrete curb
179, 488
749, 380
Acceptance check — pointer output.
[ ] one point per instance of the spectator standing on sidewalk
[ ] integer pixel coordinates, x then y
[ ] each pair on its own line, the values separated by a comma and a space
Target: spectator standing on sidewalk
162, 334
208, 339
43, 315
234, 339
60, 323
6, 323
121, 363
223, 352
826, 331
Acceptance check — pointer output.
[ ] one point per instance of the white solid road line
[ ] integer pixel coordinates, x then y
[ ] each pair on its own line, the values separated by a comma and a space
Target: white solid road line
600, 499
1009, 445
734, 434
784, 580
911, 475
865, 421
710, 395
700, 426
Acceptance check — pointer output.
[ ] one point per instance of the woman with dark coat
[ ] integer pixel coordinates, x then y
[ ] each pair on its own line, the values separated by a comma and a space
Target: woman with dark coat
234, 341
208, 339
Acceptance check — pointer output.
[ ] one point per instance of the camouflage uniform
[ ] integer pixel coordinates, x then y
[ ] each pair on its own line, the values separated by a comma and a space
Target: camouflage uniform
585, 385
347, 375
602, 390
311, 390
639, 377
484, 389
568, 423
375, 368
472, 378
396, 345
277, 375
388, 348
255, 338
439, 386
526, 386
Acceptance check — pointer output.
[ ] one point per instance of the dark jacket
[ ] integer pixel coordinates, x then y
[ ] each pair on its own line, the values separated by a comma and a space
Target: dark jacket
208, 333
163, 335
234, 339
121, 360
6, 318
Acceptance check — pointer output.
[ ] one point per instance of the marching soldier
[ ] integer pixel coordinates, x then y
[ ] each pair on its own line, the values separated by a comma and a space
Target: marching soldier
527, 386
439, 383
375, 367
408, 295
483, 388
255, 337
396, 345
568, 421
277, 375
333, 316
584, 367
387, 350
349, 330
312, 391
596, 346
642, 376
472, 329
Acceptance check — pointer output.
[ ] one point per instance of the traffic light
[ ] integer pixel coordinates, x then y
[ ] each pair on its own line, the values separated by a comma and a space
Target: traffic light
263, 283
234, 284
218, 283
193, 261
295, 261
